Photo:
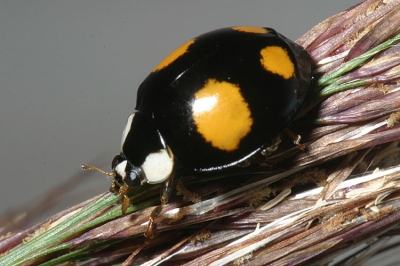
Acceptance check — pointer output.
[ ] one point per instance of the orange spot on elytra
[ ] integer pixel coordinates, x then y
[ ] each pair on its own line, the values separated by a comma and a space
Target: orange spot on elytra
276, 59
250, 29
174, 55
221, 114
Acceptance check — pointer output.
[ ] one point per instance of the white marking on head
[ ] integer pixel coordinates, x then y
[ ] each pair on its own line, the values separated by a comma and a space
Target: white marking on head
127, 129
120, 169
158, 166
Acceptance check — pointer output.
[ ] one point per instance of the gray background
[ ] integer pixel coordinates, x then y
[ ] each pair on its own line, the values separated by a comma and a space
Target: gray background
69, 71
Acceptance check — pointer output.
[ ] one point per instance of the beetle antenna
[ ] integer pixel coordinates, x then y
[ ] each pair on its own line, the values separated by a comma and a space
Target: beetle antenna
91, 167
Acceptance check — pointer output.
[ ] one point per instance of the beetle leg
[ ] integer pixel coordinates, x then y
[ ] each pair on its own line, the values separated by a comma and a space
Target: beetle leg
273, 147
122, 190
164, 197
296, 138
124, 198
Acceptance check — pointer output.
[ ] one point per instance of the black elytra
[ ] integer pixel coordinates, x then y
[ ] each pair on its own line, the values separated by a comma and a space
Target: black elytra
220, 98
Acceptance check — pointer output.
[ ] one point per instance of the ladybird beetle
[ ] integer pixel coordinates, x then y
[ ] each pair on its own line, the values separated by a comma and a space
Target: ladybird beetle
213, 103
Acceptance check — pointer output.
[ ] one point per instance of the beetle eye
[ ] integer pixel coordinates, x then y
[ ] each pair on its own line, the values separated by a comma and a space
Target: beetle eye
134, 175
117, 160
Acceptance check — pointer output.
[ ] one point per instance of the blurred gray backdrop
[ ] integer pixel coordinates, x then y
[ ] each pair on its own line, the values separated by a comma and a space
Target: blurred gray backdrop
69, 71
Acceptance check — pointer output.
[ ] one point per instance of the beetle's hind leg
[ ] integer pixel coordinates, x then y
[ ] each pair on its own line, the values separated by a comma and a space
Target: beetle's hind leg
273, 147
295, 137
